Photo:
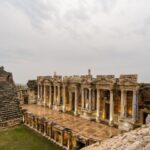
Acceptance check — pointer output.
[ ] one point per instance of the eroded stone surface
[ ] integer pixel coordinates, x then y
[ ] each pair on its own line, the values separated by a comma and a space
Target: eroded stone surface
83, 127
138, 139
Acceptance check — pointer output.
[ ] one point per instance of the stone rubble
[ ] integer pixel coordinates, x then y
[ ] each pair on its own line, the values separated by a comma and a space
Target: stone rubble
138, 139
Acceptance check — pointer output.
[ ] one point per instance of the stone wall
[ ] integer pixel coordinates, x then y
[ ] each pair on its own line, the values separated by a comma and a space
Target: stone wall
10, 112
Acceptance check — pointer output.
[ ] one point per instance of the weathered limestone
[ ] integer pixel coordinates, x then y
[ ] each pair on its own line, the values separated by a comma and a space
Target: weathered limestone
138, 139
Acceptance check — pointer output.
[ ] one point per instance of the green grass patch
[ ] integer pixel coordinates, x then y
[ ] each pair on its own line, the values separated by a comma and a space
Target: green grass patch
23, 138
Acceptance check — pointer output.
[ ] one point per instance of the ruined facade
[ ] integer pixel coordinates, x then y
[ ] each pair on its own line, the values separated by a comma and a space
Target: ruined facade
104, 98
144, 103
22, 94
119, 102
32, 91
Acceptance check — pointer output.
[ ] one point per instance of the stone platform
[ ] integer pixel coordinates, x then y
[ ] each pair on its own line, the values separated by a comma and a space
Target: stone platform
79, 126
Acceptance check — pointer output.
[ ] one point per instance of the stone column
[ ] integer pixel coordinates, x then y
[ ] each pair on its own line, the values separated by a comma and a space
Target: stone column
54, 94
134, 106
62, 137
44, 94
69, 140
82, 98
76, 101
90, 100
93, 100
111, 108
50, 96
122, 104
86, 98
125, 104
38, 91
98, 106
58, 98
64, 98
41, 91
70, 100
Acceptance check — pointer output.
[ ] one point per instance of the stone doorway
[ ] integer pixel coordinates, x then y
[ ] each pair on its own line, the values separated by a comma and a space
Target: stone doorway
145, 116
26, 100
80, 144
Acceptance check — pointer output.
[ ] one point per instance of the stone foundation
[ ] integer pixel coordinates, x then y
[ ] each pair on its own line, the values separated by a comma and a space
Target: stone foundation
11, 123
61, 136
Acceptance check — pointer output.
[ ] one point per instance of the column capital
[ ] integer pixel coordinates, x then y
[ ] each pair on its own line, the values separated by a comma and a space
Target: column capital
111, 91
64, 85
134, 91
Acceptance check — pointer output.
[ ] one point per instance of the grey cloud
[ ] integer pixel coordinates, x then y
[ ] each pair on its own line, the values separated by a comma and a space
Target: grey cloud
39, 37
36, 10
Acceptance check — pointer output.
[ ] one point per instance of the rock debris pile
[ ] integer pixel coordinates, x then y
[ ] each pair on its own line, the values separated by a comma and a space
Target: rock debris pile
138, 139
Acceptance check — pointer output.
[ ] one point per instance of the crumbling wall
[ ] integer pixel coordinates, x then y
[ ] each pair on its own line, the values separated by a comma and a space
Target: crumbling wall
10, 111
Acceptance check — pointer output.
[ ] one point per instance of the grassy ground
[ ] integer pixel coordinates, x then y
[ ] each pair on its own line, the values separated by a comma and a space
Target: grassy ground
22, 138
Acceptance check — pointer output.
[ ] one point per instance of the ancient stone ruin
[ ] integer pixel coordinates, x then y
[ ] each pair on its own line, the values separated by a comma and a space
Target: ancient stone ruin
10, 111
138, 139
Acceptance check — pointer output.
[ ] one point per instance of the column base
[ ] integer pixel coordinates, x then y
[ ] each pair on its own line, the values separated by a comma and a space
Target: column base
133, 120
75, 113
111, 123
97, 119
64, 110
44, 104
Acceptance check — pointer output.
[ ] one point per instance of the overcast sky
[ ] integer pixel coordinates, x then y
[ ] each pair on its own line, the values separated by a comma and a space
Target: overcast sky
38, 37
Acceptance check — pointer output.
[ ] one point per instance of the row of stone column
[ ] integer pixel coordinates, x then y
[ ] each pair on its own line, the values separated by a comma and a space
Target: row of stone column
124, 104
111, 107
84, 98
48, 130
56, 100
42, 95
